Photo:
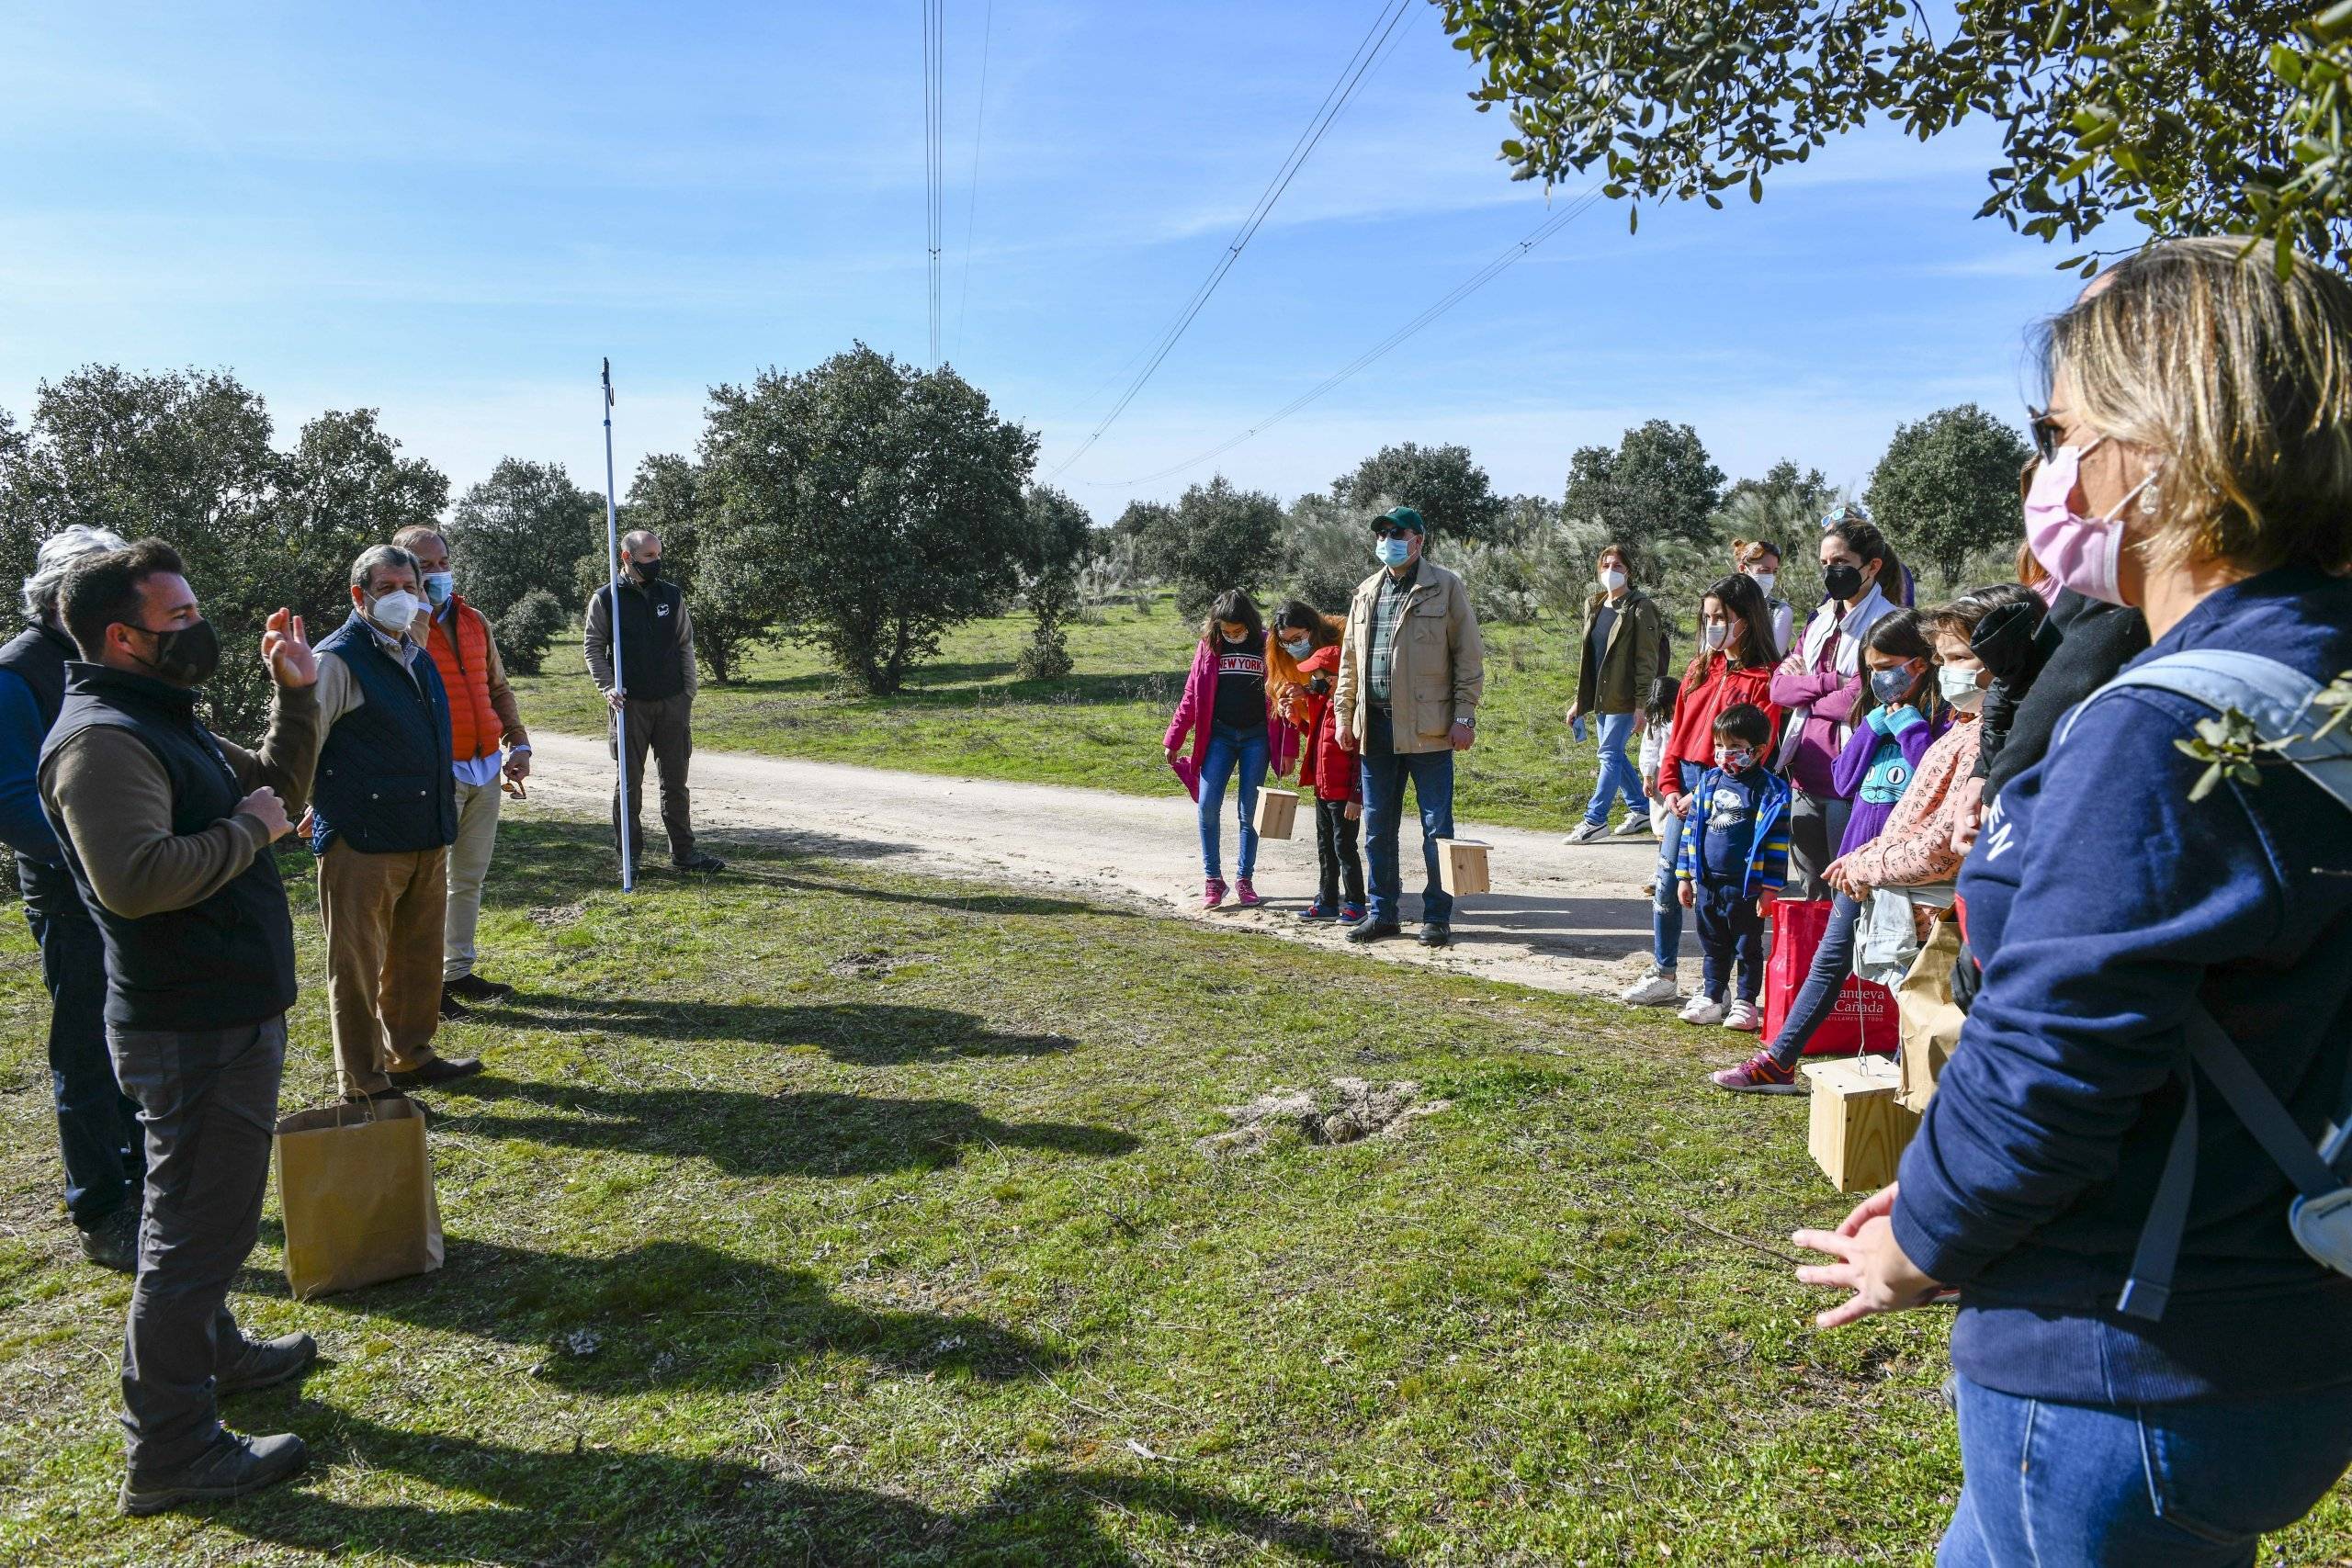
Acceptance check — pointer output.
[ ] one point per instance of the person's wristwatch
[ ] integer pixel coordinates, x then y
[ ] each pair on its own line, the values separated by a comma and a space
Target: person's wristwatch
1468, 721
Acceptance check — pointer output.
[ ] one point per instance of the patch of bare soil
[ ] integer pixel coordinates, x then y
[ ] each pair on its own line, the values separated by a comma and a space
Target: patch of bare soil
1350, 1110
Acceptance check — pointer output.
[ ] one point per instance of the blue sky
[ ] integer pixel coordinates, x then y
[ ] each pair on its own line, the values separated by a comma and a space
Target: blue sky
452, 212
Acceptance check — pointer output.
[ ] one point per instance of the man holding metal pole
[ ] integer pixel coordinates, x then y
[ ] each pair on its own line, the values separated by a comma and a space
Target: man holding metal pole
653, 706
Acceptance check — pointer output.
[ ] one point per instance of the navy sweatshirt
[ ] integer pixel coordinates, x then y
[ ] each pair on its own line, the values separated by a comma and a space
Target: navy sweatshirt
2103, 904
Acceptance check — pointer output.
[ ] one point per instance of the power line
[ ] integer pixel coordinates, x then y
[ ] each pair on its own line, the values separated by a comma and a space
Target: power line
934, 110
1351, 76
1461, 291
972, 199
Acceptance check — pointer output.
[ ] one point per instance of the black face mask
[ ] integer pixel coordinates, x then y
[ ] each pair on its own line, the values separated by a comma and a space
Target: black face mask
1842, 581
647, 570
186, 656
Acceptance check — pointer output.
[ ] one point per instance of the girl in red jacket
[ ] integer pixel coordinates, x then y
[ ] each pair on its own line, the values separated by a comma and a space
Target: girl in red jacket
1310, 640
1735, 665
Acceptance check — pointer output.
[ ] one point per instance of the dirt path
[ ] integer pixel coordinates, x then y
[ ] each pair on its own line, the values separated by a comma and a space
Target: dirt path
1563, 918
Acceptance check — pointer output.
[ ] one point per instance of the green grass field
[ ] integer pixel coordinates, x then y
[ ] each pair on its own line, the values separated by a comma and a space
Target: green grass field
1100, 726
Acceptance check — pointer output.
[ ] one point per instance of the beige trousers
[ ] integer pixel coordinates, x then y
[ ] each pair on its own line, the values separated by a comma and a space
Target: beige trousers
468, 864
382, 915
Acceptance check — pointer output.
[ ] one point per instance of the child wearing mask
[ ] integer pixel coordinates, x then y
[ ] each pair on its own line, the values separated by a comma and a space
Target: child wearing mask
1228, 710
1760, 558
1735, 857
1306, 643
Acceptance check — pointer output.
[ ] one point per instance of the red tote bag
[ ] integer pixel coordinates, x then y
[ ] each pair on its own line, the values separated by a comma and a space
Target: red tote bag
1864, 1017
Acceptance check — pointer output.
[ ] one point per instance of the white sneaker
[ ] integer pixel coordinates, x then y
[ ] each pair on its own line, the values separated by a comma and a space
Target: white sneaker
1589, 832
1635, 823
1657, 991
1704, 1008
1742, 1016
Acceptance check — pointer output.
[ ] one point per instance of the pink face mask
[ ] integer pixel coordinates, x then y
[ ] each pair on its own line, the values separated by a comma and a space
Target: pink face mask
2081, 553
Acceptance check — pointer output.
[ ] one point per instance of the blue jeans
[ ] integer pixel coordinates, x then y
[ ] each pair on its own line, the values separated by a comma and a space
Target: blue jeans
98, 1124
1818, 998
1618, 774
1230, 746
1385, 773
1666, 907
2180, 1485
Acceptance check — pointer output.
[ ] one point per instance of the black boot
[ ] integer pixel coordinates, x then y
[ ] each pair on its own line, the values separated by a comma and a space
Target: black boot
231, 1467
261, 1362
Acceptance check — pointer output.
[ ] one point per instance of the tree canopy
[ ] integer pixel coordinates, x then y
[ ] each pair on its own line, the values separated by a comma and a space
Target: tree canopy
2191, 117
1948, 486
726, 588
521, 528
1061, 536
1450, 491
1217, 538
1656, 483
883, 504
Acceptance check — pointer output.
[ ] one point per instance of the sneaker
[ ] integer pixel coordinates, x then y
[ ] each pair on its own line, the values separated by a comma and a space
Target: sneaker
1351, 914
1319, 910
1744, 1016
1635, 826
452, 1010
261, 1362
1589, 833
1703, 1008
1373, 930
1759, 1075
1657, 991
113, 1242
699, 861
474, 989
230, 1467
1212, 893
437, 1071
1244, 895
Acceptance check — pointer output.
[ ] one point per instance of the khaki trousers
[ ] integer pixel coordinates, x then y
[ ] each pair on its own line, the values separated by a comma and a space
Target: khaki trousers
468, 864
382, 915
665, 726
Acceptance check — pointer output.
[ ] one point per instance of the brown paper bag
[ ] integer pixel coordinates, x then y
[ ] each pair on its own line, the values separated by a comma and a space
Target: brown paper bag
356, 1186
1929, 1018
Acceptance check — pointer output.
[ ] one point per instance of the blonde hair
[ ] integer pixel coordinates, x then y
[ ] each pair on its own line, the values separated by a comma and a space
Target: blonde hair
2240, 381
1746, 551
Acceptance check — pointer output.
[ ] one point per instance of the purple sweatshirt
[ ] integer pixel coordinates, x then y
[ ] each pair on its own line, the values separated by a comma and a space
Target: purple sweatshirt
1877, 766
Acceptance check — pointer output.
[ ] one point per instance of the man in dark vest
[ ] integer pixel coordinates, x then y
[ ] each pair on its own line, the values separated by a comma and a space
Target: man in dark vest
654, 694
98, 1124
167, 832
384, 813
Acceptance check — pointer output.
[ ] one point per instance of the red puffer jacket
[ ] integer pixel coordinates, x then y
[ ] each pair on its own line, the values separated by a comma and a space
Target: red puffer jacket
1324, 767
1709, 686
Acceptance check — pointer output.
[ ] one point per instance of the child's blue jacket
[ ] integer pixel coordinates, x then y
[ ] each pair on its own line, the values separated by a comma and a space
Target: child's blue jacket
1767, 863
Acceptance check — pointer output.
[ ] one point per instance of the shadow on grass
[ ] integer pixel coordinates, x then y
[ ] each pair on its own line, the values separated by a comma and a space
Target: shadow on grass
516, 1506
872, 1034
676, 1315
970, 903
807, 1133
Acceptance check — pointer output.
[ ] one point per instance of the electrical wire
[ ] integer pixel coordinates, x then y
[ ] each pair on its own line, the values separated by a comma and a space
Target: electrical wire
972, 197
1350, 77
1550, 226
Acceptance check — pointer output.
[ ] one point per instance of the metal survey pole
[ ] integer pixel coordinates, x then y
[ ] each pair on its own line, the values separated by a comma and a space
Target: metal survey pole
612, 608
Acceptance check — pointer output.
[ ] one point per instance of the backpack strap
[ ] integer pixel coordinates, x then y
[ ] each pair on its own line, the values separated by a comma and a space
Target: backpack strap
2278, 697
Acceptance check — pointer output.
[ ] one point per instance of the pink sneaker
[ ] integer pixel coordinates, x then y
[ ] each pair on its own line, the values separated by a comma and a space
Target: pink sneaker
1213, 893
1759, 1075
1244, 895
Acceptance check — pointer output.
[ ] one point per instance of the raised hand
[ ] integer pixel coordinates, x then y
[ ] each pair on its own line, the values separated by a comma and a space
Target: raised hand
265, 808
286, 650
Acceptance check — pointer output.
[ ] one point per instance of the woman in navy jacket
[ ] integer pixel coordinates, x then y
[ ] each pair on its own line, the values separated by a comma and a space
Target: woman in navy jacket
2202, 408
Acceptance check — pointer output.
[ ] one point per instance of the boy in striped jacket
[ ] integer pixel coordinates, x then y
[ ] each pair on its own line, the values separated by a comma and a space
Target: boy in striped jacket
1734, 858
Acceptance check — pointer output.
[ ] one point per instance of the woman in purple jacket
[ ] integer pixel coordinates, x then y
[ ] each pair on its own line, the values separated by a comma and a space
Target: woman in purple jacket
1229, 715
1818, 682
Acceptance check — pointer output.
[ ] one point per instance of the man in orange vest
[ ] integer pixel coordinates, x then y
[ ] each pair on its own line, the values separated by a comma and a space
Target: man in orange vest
483, 723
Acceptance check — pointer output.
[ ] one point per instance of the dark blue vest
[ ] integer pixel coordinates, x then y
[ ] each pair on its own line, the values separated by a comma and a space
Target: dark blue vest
37, 655
384, 784
222, 963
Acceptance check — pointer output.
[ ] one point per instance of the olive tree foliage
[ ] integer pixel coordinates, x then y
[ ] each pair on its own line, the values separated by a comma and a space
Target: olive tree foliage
1216, 538
520, 529
883, 504
189, 456
725, 586
1657, 483
2190, 117
1445, 484
1061, 540
1327, 548
1948, 486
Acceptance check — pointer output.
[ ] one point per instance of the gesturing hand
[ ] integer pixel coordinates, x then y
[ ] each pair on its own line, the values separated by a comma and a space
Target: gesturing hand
264, 806
1870, 1263
286, 650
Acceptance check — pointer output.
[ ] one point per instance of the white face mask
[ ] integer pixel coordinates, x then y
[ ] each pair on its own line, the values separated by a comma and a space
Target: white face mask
395, 611
1714, 633
1765, 580
1960, 688
1611, 578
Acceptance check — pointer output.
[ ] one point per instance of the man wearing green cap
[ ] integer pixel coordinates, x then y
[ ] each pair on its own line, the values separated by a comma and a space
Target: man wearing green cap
1411, 673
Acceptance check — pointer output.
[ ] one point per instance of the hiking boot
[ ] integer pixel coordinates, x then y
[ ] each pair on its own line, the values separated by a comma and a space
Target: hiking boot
1244, 895
1373, 930
113, 1242
1589, 833
1703, 1008
1659, 990
230, 1467
1436, 933
437, 1071
1742, 1016
452, 1010
474, 989
1635, 826
1212, 893
261, 1362
699, 861
1319, 910
1759, 1075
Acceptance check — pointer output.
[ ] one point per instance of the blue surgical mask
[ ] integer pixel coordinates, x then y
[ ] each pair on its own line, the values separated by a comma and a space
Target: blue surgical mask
438, 586
1298, 649
1394, 550
1888, 685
